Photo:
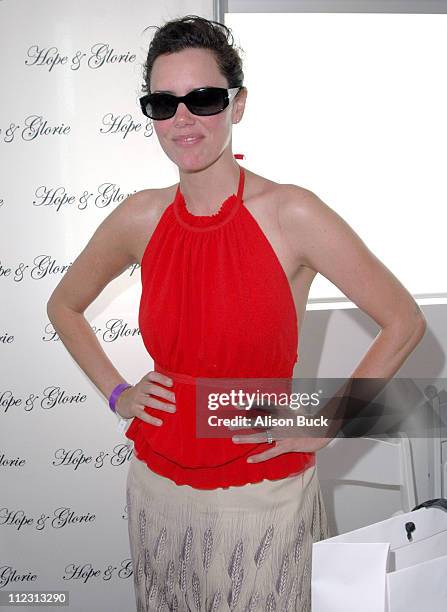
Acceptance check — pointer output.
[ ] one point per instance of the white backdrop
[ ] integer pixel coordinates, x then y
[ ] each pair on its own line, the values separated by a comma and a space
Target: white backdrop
73, 144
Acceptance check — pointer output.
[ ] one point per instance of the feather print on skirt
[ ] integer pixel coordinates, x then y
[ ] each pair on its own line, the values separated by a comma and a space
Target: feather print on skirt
160, 543
271, 603
215, 605
239, 549
282, 578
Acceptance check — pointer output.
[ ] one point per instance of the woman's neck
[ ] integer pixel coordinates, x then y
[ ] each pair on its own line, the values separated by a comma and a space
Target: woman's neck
205, 190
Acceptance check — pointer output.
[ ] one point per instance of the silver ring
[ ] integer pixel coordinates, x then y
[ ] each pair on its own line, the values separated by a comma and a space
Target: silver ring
269, 437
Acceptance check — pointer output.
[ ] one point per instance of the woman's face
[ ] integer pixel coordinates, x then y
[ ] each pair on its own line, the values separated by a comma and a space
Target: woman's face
179, 73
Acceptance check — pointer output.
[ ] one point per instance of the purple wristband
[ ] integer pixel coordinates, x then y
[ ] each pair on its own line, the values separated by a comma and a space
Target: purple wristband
116, 393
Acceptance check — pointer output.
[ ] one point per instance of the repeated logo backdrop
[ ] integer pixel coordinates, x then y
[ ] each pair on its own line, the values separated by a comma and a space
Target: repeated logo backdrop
73, 145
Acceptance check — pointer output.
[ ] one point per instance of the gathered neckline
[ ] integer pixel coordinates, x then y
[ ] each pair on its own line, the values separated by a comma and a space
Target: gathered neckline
226, 211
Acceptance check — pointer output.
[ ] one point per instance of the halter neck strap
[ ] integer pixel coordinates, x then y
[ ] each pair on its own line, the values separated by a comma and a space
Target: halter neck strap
240, 188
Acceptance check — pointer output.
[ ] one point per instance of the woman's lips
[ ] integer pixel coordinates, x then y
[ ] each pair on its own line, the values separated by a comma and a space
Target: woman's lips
187, 141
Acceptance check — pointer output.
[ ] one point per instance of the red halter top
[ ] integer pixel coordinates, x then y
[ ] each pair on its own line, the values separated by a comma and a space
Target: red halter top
215, 303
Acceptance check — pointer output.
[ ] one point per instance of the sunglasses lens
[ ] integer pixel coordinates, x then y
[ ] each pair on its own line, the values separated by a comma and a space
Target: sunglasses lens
160, 106
208, 101
205, 101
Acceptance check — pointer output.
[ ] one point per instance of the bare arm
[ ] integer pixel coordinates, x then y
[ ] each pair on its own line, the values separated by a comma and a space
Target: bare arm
107, 255
323, 241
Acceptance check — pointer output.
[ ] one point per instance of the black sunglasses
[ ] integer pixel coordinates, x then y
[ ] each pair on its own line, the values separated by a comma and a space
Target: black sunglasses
203, 102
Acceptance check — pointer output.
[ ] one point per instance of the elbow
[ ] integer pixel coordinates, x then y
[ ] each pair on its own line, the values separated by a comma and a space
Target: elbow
50, 310
407, 331
57, 307
419, 322
420, 326
51, 306
415, 328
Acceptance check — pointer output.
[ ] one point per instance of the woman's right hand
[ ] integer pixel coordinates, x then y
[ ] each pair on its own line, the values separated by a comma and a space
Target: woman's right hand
132, 401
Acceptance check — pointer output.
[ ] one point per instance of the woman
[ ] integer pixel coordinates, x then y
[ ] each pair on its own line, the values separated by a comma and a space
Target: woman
227, 258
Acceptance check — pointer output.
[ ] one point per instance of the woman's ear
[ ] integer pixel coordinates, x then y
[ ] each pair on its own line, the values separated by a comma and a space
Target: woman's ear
239, 105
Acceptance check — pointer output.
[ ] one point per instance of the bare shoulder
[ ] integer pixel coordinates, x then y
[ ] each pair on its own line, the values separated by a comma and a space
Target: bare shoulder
327, 243
289, 208
309, 223
115, 245
142, 204
282, 195
299, 203
137, 216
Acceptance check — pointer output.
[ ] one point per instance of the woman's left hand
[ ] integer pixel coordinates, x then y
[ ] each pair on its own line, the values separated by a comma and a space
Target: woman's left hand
309, 444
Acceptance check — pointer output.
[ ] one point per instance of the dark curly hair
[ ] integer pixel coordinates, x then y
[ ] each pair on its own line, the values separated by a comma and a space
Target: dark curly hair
192, 31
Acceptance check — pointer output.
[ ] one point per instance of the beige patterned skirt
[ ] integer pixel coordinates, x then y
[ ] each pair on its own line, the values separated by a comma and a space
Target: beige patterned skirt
244, 548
